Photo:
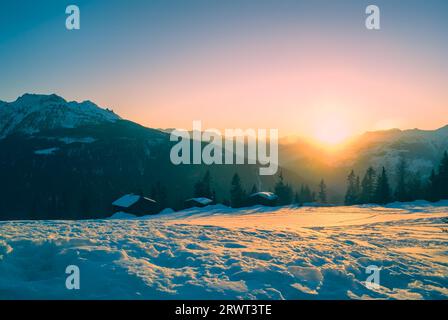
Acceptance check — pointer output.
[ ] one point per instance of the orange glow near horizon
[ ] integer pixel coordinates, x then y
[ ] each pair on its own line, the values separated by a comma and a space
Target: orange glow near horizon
330, 125
306, 69
328, 100
316, 88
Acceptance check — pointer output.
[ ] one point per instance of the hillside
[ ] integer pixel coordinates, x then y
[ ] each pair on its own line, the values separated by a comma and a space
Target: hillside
422, 150
71, 161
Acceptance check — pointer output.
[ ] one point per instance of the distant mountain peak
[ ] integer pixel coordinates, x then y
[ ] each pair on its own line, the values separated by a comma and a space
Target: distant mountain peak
32, 113
384, 131
33, 97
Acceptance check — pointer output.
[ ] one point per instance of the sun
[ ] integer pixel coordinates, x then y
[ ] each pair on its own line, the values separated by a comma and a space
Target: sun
332, 136
331, 131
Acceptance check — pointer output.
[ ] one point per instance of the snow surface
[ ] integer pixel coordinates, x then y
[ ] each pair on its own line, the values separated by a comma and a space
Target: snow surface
122, 215
218, 252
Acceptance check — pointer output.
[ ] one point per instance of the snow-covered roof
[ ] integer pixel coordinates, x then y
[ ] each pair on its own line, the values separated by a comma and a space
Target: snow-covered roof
202, 200
265, 194
46, 151
149, 199
126, 201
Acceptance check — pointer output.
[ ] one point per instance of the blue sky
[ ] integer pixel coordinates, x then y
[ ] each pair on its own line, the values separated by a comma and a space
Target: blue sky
142, 56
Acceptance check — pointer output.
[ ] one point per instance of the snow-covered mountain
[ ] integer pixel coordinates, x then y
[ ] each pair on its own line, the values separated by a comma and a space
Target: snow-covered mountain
421, 148
33, 113
72, 160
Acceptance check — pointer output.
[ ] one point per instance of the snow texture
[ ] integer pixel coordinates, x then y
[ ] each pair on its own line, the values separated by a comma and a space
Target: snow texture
222, 253
122, 215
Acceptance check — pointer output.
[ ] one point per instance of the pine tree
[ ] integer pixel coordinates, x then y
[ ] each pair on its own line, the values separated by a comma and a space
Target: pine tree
382, 193
283, 191
159, 194
368, 186
322, 192
305, 194
202, 188
207, 181
415, 188
254, 189
432, 190
401, 190
437, 187
237, 193
357, 190
297, 198
302, 195
352, 194
198, 189
442, 177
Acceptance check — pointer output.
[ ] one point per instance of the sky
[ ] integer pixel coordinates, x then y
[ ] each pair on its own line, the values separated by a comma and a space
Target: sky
308, 68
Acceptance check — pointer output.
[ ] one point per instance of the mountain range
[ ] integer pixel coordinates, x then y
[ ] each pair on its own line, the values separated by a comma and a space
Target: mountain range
422, 150
70, 160
33, 113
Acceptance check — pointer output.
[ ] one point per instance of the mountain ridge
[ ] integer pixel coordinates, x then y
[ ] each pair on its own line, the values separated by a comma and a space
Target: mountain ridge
55, 98
62, 170
31, 113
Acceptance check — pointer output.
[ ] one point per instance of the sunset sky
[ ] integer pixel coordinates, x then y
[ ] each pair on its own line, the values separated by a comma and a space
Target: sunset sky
308, 68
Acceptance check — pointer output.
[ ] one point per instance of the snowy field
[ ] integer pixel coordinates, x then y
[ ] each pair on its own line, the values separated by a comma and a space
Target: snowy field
222, 253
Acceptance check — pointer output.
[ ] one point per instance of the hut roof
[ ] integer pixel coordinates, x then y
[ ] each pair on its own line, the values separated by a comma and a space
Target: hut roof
265, 194
128, 200
201, 200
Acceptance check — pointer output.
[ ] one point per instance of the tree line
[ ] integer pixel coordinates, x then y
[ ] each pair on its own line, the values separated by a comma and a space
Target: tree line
375, 186
239, 196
